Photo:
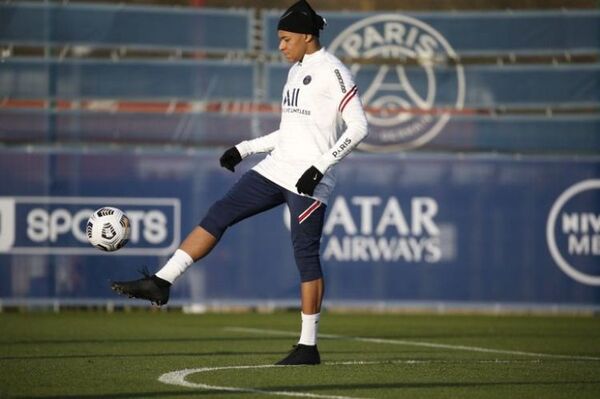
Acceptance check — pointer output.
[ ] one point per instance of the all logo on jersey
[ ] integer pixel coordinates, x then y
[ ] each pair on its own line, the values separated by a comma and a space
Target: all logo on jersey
290, 103
400, 97
291, 98
307, 79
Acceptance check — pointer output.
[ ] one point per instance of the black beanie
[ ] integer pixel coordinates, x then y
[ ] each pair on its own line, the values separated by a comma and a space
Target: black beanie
301, 18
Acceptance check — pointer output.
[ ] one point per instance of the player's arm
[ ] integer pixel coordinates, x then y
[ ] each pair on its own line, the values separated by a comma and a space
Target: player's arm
234, 155
258, 145
352, 112
354, 117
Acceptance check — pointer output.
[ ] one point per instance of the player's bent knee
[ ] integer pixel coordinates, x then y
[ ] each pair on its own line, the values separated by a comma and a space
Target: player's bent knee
214, 224
309, 268
305, 278
310, 275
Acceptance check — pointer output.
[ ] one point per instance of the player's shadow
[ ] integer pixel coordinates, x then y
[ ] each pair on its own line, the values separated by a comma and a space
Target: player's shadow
160, 354
117, 340
141, 355
426, 385
326, 387
190, 393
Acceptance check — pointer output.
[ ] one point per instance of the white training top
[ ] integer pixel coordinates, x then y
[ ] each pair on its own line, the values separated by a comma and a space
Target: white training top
322, 120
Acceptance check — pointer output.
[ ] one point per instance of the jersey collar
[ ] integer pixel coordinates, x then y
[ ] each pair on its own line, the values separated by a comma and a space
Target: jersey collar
310, 58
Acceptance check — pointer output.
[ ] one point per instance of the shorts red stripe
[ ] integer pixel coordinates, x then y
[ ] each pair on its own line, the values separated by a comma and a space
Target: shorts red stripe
304, 215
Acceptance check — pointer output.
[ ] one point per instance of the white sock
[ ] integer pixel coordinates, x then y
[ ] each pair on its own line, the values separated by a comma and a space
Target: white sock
310, 327
175, 267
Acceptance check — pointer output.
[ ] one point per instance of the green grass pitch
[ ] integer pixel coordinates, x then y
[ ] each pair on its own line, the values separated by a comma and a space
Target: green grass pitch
124, 354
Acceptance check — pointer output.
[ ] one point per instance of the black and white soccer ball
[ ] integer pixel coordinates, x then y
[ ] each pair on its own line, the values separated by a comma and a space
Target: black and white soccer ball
108, 229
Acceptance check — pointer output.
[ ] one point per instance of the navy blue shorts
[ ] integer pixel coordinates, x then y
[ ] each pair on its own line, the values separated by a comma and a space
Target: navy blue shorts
253, 194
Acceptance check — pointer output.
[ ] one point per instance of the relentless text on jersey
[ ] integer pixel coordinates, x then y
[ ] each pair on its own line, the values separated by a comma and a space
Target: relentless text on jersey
290, 103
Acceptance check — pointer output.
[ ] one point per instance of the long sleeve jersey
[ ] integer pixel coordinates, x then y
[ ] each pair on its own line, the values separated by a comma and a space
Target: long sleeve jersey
322, 121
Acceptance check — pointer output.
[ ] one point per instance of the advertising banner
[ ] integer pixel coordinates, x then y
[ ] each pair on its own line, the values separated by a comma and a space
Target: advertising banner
399, 228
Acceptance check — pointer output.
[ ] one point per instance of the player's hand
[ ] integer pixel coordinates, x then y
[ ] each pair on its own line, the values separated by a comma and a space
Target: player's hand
230, 158
309, 180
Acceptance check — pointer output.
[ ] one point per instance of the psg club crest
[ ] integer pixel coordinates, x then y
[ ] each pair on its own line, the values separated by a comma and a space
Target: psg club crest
404, 103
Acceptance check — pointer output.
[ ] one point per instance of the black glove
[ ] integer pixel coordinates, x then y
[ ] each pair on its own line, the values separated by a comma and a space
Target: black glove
230, 158
309, 180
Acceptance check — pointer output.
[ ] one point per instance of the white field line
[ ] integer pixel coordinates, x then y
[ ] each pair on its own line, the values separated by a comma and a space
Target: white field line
418, 343
179, 378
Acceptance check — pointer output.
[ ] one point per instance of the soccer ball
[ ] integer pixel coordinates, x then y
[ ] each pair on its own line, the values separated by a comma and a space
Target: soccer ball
108, 229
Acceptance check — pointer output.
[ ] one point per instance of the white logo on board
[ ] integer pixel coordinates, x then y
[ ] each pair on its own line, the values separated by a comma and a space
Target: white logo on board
400, 99
573, 232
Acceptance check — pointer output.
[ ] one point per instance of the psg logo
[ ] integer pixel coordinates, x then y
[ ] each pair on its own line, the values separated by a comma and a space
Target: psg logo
400, 89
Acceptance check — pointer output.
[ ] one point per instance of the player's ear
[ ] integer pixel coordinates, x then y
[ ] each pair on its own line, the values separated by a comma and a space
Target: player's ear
308, 38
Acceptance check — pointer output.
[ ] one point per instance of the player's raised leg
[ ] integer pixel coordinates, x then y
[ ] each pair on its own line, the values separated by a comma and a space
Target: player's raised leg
252, 194
156, 288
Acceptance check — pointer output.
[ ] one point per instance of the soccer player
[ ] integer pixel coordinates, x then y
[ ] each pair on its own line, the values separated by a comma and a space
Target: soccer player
322, 121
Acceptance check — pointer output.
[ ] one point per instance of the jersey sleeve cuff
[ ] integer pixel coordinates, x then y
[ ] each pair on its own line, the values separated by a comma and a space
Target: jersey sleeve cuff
323, 164
244, 149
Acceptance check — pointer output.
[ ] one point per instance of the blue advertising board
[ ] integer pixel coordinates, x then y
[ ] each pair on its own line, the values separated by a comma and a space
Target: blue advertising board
421, 227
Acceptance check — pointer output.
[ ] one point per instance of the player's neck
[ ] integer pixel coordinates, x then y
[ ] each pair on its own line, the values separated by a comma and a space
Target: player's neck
309, 52
311, 49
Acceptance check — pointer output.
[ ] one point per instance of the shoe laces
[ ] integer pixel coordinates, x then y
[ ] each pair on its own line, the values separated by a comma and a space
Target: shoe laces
145, 272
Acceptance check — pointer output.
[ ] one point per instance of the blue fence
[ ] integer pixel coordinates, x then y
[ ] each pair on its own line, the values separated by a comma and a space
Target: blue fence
76, 127
467, 33
114, 26
484, 86
126, 79
525, 134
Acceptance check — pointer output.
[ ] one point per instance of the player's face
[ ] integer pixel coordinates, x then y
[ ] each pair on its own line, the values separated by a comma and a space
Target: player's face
292, 45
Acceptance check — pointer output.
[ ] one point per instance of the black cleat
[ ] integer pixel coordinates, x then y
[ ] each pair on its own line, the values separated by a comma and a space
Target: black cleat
301, 354
152, 288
